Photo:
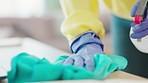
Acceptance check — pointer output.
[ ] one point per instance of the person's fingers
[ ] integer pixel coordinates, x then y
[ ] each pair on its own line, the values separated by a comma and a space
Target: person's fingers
133, 24
69, 61
136, 28
89, 64
79, 61
140, 27
139, 35
134, 9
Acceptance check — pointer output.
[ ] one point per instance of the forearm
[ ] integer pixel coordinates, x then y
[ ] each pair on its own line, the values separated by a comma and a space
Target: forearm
81, 16
71, 6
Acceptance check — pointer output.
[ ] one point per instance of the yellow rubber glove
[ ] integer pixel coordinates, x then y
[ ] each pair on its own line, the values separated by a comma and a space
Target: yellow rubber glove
81, 16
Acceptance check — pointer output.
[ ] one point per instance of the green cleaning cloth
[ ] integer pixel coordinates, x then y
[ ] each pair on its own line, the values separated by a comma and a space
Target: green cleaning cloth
28, 68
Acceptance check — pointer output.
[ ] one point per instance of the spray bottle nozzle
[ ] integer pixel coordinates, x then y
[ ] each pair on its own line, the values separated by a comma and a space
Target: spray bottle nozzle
141, 11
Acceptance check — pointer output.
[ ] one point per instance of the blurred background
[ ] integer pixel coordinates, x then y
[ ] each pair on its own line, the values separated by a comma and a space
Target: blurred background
41, 20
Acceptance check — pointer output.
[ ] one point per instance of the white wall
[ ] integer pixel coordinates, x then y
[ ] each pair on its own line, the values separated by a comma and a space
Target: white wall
27, 8
21, 8
6, 8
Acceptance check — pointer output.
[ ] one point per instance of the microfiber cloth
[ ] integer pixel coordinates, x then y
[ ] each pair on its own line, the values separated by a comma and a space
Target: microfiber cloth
28, 68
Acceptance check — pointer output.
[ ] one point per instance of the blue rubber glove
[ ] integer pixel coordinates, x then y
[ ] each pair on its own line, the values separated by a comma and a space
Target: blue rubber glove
26, 68
84, 48
139, 30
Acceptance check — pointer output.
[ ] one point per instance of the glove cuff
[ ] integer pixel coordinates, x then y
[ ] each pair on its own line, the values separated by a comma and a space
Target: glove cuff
84, 39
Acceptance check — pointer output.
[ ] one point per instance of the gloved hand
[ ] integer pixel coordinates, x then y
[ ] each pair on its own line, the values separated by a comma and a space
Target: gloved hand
27, 68
84, 48
139, 30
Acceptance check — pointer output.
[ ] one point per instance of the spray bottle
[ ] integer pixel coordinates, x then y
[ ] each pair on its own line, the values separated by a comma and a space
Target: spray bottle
141, 45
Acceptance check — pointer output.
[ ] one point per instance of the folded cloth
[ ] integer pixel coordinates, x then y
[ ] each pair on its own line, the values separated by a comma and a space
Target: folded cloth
28, 68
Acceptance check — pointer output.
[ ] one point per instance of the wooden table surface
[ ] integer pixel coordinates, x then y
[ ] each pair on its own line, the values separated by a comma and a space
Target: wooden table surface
42, 50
